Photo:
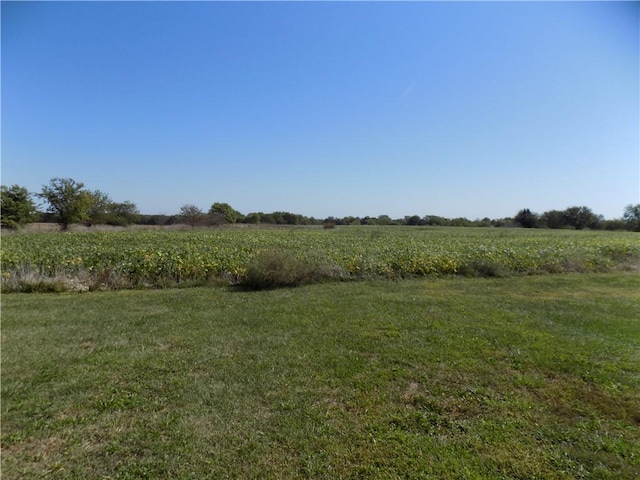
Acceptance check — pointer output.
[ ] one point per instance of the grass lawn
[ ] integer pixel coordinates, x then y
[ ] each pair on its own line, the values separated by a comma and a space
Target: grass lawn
460, 378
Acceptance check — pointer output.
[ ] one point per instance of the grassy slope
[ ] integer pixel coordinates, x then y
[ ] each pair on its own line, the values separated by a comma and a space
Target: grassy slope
528, 377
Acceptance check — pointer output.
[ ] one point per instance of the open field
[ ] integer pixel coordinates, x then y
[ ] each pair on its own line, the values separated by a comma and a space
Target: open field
474, 378
136, 258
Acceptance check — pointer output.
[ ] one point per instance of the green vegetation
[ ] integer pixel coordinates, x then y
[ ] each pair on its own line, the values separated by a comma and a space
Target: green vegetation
164, 258
68, 202
227, 211
192, 215
16, 207
276, 269
526, 377
631, 217
104, 211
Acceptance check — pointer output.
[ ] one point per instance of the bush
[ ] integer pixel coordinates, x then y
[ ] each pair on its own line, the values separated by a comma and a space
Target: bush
276, 268
328, 225
484, 268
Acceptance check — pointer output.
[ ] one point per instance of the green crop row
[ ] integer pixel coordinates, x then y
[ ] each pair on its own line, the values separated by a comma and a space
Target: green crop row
153, 257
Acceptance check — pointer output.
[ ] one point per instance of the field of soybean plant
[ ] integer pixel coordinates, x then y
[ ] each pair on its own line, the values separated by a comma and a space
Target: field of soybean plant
159, 258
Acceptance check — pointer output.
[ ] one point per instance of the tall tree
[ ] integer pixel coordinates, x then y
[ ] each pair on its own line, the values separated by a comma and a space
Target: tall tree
526, 218
100, 207
580, 218
226, 210
16, 206
253, 217
68, 200
123, 214
191, 215
631, 217
554, 219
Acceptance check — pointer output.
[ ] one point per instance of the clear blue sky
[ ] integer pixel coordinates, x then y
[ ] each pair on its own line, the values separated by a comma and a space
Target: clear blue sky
327, 108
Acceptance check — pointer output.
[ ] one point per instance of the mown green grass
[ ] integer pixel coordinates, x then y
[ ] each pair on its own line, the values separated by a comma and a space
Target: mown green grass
524, 377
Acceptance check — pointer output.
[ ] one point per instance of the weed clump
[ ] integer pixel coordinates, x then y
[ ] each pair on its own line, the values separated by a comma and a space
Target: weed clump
26, 280
484, 268
277, 268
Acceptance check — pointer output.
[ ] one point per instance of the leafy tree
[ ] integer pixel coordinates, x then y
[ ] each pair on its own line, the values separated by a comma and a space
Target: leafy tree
460, 222
412, 220
192, 215
485, 222
384, 220
580, 218
554, 219
351, 220
631, 217
103, 211
124, 213
99, 209
289, 218
68, 200
16, 206
230, 215
436, 221
617, 224
277, 218
253, 217
526, 219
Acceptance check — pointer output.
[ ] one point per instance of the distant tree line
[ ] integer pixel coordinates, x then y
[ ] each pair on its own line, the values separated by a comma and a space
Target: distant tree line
579, 218
68, 202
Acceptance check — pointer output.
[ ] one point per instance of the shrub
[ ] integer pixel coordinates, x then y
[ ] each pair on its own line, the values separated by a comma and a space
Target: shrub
277, 268
484, 268
329, 225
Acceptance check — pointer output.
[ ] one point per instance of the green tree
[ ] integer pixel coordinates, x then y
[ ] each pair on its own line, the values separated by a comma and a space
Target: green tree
526, 218
192, 215
580, 218
554, 219
436, 221
100, 208
291, 218
16, 206
384, 220
123, 213
253, 217
631, 217
68, 200
230, 215
460, 222
485, 222
350, 220
412, 220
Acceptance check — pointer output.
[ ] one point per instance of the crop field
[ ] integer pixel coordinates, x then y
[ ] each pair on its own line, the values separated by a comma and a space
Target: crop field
163, 258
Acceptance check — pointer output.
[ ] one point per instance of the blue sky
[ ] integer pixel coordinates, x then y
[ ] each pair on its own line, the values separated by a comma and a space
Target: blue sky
327, 108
